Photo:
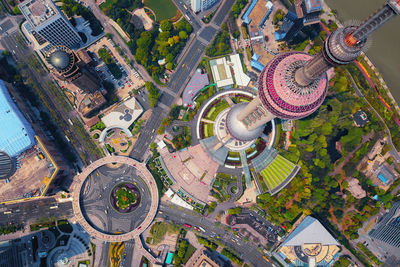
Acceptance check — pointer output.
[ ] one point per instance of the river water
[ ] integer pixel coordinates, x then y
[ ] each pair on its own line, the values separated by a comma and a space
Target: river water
385, 48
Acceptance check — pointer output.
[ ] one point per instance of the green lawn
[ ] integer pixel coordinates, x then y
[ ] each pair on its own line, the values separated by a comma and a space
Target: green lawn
164, 9
125, 197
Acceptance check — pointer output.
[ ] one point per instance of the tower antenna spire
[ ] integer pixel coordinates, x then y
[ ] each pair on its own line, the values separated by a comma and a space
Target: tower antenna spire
345, 44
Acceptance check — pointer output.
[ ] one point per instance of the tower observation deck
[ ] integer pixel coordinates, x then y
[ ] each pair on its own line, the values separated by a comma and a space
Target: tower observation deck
293, 85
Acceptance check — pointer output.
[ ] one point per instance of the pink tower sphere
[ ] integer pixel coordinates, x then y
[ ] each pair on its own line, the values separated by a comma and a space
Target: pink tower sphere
282, 96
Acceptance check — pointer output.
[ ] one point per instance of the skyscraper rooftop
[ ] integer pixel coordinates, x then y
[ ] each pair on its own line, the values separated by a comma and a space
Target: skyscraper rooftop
38, 12
16, 134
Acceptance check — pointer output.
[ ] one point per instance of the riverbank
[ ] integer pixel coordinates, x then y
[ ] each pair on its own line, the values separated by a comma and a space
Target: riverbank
384, 50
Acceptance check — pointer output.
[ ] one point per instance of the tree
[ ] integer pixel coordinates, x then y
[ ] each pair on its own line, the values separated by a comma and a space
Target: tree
166, 122
163, 36
153, 95
169, 58
144, 41
235, 211
16, 10
171, 41
183, 35
166, 25
153, 146
161, 130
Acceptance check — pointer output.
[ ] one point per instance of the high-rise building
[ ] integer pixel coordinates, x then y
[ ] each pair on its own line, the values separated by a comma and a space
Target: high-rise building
293, 85
70, 67
301, 14
388, 229
50, 23
201, 5
309, 244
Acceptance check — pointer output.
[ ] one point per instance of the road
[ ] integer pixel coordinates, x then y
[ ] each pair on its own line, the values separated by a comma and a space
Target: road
31, 211
196, 23
186, 67
247, 251
20, 51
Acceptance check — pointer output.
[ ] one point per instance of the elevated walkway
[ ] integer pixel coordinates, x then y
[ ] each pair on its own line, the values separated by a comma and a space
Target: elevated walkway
246, 169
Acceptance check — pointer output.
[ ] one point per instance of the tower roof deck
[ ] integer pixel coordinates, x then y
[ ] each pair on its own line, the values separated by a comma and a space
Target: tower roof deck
282, 95
38, 12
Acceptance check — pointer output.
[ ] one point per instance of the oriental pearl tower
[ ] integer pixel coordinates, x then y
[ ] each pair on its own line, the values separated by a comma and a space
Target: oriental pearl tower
293, 85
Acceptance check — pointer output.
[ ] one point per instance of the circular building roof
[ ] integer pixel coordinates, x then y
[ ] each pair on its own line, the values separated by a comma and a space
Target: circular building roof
282, 96
60, 59
6, 165
237, 129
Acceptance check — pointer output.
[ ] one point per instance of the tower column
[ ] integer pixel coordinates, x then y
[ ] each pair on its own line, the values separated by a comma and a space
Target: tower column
255, 115
312, 70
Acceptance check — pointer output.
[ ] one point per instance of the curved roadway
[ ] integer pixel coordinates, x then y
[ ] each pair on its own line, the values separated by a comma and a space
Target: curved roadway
77, 188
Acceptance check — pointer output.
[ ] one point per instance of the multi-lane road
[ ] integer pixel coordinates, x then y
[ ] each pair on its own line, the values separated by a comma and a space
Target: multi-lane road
14, 42
31, 211
247, 251
192, 56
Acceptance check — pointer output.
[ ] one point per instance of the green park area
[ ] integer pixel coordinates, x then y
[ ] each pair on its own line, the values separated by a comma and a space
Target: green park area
110, 63
276, 172
220, 186
158, 231
125, 197
164, 9
216, 108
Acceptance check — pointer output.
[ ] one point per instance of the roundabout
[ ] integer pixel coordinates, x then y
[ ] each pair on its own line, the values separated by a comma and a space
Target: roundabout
115, 199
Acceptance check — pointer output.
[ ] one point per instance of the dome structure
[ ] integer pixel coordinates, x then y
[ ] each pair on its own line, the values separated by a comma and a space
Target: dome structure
282, 95
6, 165
60, 59
236, 129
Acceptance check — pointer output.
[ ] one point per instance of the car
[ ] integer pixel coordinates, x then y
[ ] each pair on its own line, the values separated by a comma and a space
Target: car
140, 227
187, 225
196, 228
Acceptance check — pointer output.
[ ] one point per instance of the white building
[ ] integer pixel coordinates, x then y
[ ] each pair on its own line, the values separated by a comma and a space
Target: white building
241, 78
221, 72
201, 5
124, 114
50, 23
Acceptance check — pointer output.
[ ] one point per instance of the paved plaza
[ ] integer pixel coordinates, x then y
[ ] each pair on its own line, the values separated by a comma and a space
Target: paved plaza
192, 169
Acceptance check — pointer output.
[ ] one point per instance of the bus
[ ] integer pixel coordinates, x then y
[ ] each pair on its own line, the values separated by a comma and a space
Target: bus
265, 258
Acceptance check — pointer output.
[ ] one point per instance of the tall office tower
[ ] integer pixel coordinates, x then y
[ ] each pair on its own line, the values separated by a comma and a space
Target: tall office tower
388, 229
201, 5
293, 85
70, 67
50, 23
300, 15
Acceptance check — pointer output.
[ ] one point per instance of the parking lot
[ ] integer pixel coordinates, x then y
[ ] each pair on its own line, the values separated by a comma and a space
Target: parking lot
130, 77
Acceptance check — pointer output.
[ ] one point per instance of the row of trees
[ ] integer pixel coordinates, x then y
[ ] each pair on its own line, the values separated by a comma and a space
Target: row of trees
178, 256
238, 7
207, 243
12, 228
232, 256
153, 93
